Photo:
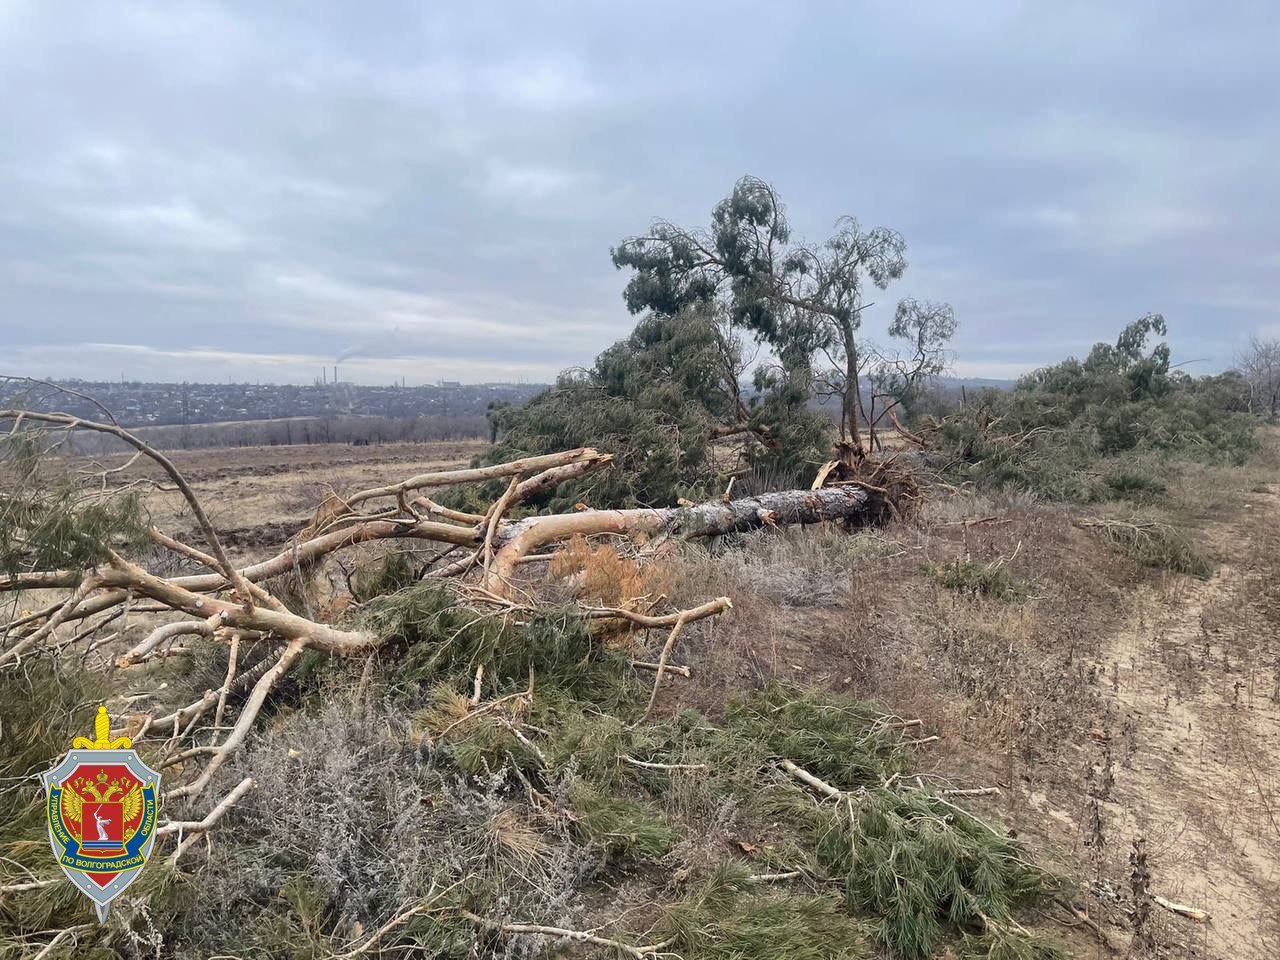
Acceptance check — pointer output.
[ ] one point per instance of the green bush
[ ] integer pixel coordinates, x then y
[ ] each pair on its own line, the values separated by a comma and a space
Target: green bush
655, 401
1098, 429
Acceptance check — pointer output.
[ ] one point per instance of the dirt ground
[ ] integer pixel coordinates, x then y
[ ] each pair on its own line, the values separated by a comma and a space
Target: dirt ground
1195, 688
1115, 703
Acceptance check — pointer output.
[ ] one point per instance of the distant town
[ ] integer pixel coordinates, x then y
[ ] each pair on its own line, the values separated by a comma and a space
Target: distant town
186, 416
137, 404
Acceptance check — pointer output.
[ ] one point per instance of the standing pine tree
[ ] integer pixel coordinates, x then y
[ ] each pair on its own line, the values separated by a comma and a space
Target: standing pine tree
805, 302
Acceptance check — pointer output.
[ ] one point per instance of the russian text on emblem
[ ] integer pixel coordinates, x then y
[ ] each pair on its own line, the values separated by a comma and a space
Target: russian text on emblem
102, 802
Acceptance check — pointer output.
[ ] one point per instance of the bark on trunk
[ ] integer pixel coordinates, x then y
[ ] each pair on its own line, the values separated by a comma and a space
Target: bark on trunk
714, 518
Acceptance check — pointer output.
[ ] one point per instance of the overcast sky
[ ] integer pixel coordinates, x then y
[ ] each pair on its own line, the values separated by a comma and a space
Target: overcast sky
249, 191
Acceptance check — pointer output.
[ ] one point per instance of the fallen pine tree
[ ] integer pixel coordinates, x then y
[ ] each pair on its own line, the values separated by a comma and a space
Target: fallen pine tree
236, 606
538, 725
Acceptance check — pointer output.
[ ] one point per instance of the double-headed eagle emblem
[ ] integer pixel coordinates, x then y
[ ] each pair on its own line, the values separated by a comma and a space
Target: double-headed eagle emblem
75, 791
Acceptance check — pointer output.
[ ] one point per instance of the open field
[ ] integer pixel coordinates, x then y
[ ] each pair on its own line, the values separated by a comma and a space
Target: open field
1055, 688
260, 496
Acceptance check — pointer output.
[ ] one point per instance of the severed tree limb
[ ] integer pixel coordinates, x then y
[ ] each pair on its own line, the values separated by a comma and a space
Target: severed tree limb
1182, 910
191, 831
653, 667
225, 566
177, 546
37, 580
159, 635
14, 653
283, 623
561, 933
676, 630
809, 780
554, 476
25, 885
495, 517
449, 478
427, 904
245, 723
195, 710
651, 765
63, 934
232, 658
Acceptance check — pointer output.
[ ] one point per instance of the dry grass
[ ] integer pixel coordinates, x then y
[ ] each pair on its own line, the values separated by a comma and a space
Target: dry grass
811, 567
1146, 700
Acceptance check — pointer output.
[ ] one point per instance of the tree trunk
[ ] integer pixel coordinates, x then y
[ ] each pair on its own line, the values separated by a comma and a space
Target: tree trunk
713, 518
850, 400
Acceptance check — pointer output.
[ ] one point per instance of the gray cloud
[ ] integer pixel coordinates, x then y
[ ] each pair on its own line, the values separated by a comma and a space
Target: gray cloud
247, 191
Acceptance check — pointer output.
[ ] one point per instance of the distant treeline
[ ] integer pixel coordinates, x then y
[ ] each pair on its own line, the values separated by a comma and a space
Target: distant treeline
296, 430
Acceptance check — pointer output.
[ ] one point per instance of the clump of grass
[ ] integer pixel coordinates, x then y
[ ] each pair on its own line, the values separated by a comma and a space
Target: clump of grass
1134, 481
1151, 543
807, 567
729, 918
980, 579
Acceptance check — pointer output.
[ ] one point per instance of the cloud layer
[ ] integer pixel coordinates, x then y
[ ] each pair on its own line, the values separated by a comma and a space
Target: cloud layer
247, 191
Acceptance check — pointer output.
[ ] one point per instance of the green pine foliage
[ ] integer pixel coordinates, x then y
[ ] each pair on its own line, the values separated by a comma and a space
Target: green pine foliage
618, 824
48, 520
1153, 543
1098, 429
835, 737
729, 917
923, 868
655, 401
979, 579
42, 709
444, 637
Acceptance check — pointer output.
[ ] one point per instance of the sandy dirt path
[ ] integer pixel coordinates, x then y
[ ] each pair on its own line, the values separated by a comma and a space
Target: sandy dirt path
1195, 741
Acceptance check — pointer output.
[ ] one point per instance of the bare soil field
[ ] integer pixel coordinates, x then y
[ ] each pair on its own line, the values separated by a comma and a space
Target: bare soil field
259, 496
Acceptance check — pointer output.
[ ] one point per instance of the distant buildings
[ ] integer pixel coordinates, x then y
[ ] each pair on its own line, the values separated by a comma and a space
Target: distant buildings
159, 404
